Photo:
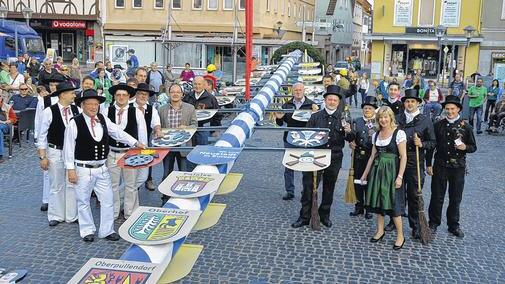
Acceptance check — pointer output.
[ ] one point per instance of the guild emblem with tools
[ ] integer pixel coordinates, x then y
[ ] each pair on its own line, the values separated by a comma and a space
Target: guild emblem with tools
302, 115
307, 138
186, 185
203, 114
307, 158
139, 160
156, 226
224, 100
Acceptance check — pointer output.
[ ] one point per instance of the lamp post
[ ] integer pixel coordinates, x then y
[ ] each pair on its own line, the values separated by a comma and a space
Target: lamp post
469, 30
440, 32
27, 14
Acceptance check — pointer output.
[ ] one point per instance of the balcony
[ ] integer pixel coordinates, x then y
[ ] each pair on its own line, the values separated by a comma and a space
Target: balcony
54, 9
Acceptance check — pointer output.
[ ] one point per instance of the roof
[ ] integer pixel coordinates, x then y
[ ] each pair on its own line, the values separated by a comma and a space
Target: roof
8, 26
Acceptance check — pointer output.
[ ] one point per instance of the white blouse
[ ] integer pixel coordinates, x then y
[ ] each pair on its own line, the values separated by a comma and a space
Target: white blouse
400, 137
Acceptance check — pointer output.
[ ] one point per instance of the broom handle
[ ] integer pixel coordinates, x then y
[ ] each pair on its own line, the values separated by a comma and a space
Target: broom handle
419, 190
352, 159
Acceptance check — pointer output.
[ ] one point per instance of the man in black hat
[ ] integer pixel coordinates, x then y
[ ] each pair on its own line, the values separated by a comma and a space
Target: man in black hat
331, 118
62, 204
454, 140
86, 147
299, 101
393, 100
117, 75
419, 130
127, 118
363, 128
44, 102
148, 122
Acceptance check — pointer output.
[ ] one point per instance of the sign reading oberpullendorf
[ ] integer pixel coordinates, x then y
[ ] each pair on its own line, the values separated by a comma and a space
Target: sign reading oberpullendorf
156, 226
190, 185
101, 270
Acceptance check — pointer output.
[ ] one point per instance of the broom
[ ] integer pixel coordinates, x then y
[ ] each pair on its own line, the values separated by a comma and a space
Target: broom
350, 194
314, 214
424, 233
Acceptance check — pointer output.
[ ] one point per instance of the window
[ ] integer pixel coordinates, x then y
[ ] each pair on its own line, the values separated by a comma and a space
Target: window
212, 4
300, 12
158, 4
228, 4
426, 12
268, 5
283, 7
289, 8
10, 43
137, 4
276, 6
197, 4
294, 10
503, 10
242, 5
176, 4
119, 3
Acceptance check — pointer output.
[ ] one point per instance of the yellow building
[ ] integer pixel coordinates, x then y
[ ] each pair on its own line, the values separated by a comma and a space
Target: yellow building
201, 30
404, 37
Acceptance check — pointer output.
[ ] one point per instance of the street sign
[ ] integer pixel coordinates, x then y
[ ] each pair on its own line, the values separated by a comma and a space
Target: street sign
318, 24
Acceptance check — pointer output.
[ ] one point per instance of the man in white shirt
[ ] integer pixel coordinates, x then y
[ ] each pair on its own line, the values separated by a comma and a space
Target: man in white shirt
62, 204
148, 123
85, 151
126, 118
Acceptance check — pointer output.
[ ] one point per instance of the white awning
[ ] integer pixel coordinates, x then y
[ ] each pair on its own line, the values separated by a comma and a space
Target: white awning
407, 37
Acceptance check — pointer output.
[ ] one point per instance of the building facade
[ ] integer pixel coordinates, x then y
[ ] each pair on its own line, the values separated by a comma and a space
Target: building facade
492, 52
362, 16
404, 37
70, 27
335, 28
201, 32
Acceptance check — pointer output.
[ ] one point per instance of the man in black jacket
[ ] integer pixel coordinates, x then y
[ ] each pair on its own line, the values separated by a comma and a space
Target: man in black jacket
331, 118
419, 130
454, 140
393, 100
299, 101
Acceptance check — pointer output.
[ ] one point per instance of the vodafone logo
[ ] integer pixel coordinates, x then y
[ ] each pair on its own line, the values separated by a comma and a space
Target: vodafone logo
68, 24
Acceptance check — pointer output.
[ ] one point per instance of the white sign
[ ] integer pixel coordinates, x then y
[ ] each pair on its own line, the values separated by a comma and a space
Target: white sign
403, 13
306, 160
499, 71
317, 24
118, 54
449, 16
190, 185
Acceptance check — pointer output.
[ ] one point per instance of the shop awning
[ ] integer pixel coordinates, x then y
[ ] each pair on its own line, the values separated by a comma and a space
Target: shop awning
226, 41
404, 37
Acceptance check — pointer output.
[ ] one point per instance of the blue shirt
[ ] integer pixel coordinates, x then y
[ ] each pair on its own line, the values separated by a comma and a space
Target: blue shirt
135, 61
21, 67
22, 103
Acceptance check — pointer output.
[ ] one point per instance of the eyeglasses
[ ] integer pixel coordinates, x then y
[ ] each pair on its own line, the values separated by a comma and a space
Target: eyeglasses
23, 89
64, 69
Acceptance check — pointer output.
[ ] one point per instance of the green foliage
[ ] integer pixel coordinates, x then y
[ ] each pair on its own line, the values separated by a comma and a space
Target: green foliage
287, 48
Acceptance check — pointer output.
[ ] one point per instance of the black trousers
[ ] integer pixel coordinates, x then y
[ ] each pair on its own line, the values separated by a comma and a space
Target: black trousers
329, 176
410, 182
455, 178
360, 190
489, 109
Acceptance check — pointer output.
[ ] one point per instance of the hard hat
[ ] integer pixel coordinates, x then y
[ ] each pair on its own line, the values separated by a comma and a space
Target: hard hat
343, 72
211, 68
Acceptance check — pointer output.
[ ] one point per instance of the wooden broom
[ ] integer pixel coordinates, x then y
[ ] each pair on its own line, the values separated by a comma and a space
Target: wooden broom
314, 214
350, 193
424, 229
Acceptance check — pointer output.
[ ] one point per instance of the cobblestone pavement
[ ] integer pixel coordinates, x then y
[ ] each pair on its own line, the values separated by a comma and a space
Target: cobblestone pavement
254, 243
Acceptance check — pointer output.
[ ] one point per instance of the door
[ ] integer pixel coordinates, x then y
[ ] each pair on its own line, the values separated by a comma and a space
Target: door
67, 46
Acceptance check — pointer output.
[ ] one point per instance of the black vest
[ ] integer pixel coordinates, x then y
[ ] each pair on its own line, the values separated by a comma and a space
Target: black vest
86, 148
56, 131
148, 114
47, 101
131, 126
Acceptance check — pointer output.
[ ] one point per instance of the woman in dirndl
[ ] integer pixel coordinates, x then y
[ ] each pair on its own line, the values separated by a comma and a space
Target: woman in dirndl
385, 194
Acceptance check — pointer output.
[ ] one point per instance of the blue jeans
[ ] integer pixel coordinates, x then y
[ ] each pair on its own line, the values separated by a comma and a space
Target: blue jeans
4, 129
289, 176
432, 106
477, 110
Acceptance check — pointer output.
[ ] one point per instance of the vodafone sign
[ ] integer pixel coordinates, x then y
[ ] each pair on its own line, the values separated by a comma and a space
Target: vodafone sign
57, 24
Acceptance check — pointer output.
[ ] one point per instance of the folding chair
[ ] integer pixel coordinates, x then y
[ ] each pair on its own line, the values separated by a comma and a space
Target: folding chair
26, 122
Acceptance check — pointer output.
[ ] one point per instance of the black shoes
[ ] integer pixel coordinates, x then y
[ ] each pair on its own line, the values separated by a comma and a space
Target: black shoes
299, 223
89, 238
390, 227
368, 215
44, 207
357, 212
53, 223
415, 234
395, 247
479, 132
288, 196
433, 228
326, 222
113, 237
374, 240
457, 232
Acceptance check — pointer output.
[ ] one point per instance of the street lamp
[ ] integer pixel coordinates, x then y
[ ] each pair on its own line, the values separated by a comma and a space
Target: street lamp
27, 14
3, 13
469, 30
440, 32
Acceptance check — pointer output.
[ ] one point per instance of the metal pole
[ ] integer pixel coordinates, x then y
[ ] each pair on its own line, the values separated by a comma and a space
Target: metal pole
169, 31
248, 48
304, 32
439, 57
241, 128
451, 76
464, 59
234, 42
16, 37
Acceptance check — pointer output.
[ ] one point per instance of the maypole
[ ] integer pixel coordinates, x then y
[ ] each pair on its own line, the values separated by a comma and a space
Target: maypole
249, 22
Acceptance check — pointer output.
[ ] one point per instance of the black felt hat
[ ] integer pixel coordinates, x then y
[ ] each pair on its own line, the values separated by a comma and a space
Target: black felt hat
145, 88
122, 86
334, 90
452, 100
89, 94
370, 101
63, 87
411, 94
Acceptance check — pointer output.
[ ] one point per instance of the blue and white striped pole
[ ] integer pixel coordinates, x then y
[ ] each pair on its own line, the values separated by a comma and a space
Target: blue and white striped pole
241, 128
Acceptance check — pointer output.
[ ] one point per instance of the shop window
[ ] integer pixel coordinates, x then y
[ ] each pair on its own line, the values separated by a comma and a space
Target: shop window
212, 4
158, 4
119, 3
242, 5
176, 4
197, 4
137, 4
426, 12
228, 4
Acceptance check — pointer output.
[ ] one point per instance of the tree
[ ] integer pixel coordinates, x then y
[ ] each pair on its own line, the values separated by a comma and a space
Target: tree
287, 48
